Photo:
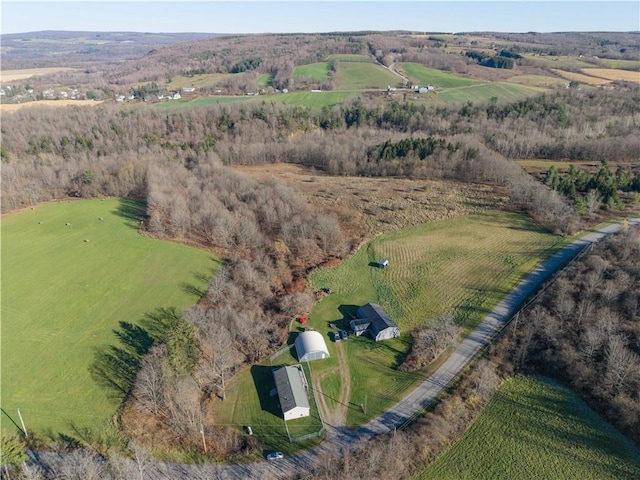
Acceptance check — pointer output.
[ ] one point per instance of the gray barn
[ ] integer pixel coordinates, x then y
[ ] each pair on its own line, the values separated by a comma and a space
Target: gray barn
374, 321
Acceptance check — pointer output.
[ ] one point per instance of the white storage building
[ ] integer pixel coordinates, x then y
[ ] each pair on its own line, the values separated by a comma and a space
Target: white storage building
310, 345
293, 391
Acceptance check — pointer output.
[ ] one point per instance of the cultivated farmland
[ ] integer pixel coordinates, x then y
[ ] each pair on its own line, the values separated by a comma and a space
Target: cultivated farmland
71, 272
535, 428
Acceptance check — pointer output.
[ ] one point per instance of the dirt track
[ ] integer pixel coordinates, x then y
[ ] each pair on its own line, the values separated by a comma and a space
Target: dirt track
338, 416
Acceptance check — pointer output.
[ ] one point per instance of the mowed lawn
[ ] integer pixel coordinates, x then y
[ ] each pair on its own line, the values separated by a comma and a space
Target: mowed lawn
463, 266
535, 428
503, 91
431, 76
65, 288
362, 76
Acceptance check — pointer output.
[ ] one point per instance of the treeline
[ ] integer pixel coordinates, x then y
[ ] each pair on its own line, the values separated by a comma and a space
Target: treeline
585, 330
502, 60
110, 151
590, 190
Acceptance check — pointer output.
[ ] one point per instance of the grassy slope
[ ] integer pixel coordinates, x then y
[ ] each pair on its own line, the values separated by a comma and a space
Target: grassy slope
361, 75
535, 428
537, 80
202, 80
463, 266
350, 57
265, 80
430, 76
504, 91
315, 71
305, 99
62, 297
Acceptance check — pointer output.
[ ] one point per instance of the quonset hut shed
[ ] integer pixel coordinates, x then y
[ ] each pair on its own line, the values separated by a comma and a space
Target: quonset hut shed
310, 345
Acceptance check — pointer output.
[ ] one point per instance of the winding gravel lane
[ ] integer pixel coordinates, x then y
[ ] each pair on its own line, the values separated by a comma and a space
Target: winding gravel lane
340, 438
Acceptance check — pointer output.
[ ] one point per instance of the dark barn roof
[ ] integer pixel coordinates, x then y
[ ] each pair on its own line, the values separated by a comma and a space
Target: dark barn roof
291, 389
376, 316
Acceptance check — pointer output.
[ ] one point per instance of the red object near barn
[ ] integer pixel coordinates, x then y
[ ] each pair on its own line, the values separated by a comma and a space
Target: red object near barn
303, 319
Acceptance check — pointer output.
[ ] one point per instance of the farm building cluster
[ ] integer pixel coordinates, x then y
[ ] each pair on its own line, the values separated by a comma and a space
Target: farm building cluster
291, 383
373, 321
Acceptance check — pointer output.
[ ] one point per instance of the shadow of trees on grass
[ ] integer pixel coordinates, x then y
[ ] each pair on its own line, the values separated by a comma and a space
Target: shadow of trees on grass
115, 367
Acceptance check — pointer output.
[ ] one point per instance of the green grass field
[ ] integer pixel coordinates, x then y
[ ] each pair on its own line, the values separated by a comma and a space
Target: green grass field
503, 91
535, 428
315, 71
304, 99
265, 80
362, 76
537, 80
623, 64
559, 61
463, 266
350, 57
202, 80
431, 76
63, 296
311, 99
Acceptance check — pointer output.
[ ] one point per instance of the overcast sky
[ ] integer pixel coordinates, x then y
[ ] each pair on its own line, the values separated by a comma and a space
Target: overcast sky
319, 16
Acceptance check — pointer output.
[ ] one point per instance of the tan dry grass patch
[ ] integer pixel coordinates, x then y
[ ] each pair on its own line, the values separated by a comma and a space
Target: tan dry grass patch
579, 77
13, 75
371, 206
14, 107
613, 74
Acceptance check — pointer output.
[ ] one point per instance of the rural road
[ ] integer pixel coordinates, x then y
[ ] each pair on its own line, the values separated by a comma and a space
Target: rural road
340, 438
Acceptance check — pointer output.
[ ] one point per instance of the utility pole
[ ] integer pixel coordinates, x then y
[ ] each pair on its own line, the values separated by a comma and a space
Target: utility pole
204, 442
24, 429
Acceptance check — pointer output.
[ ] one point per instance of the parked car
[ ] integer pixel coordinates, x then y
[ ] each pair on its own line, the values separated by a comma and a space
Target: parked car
275, 456
344, 334
336, 336
248, 430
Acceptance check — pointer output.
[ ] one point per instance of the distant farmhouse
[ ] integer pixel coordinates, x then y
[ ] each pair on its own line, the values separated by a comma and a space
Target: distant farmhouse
374, 321
293, 389
310, 345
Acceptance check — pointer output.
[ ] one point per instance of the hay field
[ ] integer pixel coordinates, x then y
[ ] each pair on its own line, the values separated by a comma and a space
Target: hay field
14, 107
13, 75
613, 74
202, 80
537, 80
66, 288
315, 71
503, 91
579, 77
462, 266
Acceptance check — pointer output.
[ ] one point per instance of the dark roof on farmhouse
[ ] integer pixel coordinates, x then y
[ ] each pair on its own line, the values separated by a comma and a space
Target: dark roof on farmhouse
290, 384
376, 316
